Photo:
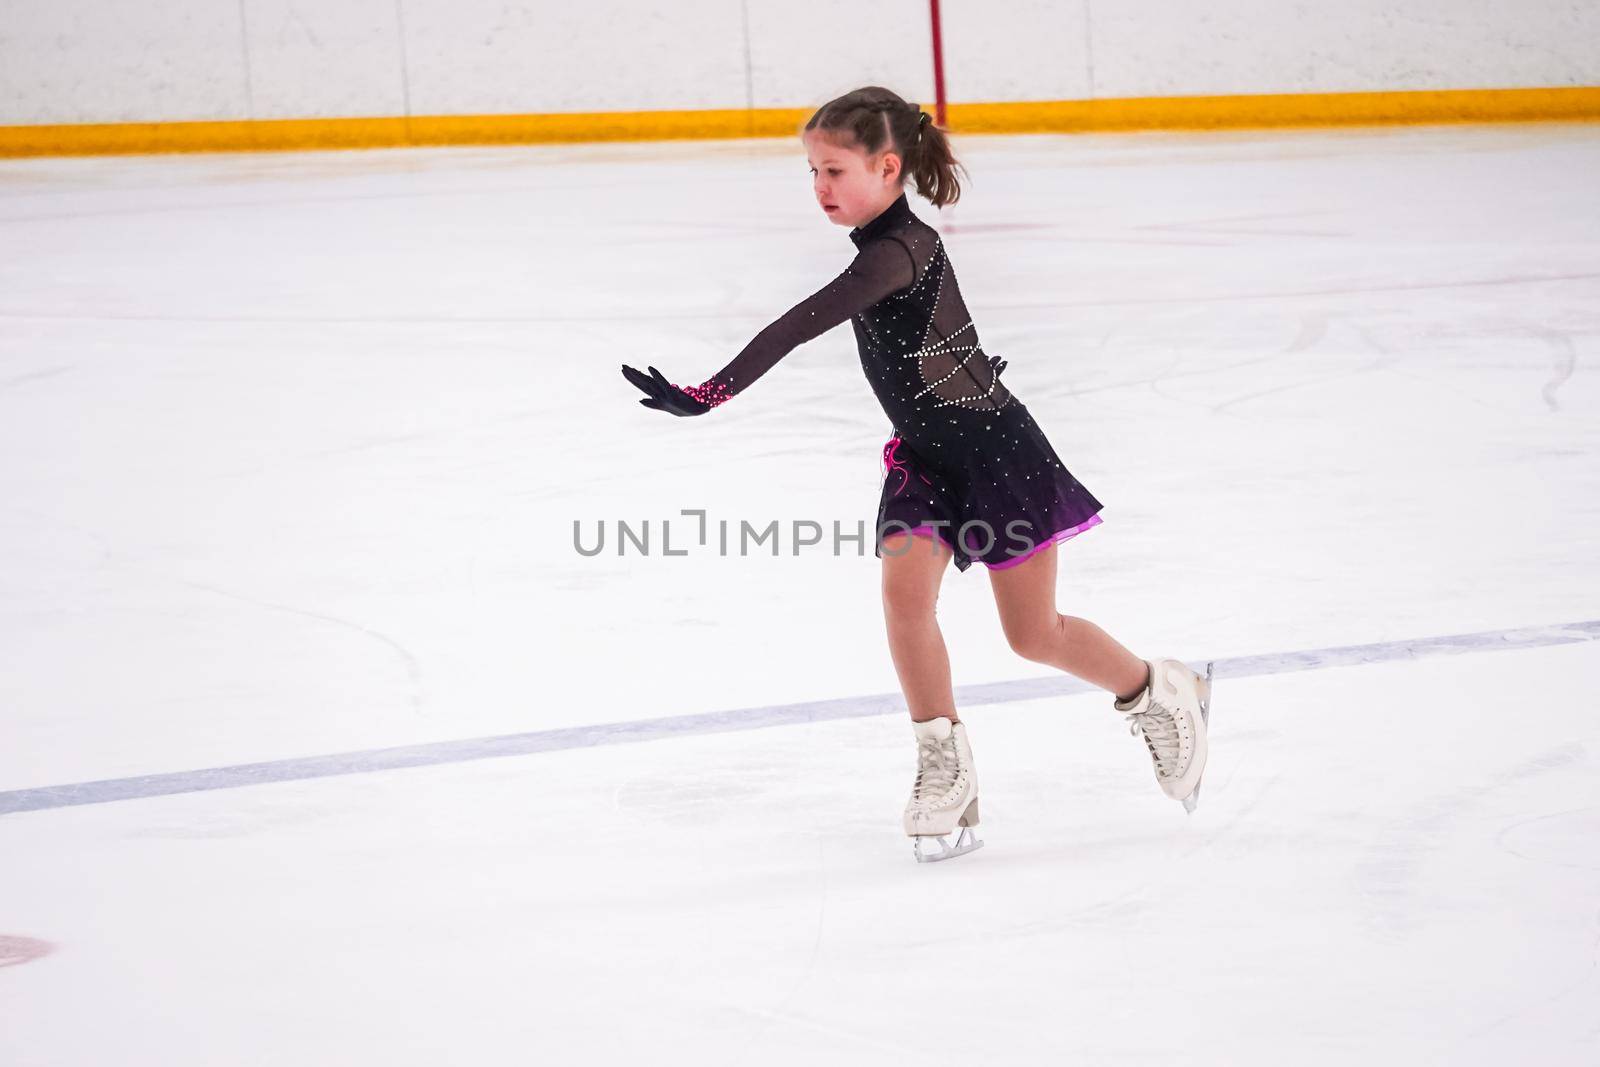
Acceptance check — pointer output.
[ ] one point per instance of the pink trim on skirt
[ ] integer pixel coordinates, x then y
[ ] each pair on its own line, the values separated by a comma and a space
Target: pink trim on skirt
1055, 538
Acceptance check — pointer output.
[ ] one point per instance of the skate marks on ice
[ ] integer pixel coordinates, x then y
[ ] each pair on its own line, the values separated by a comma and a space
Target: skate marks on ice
1564, 839
413, 669
395, 758
1117, 897
1397, 908
1551, 838
1397, 854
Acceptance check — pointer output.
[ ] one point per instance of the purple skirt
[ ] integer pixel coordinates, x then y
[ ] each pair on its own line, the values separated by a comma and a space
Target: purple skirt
996, 492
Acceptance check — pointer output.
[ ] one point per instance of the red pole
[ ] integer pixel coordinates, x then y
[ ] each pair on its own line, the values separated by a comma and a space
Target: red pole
938, 67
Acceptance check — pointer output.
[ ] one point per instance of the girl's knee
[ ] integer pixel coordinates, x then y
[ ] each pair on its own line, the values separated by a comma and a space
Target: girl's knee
1034, 642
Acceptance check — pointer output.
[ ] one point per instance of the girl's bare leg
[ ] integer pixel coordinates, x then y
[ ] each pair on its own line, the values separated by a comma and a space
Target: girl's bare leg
913, 567
1026, 597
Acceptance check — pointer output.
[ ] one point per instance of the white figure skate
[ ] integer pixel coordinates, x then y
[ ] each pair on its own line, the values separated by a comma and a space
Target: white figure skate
945, 793
1173, 713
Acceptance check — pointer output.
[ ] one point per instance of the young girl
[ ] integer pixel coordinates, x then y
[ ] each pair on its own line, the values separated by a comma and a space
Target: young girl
968, 473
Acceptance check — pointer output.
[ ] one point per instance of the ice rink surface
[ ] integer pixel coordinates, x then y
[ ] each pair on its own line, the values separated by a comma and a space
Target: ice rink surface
294, 448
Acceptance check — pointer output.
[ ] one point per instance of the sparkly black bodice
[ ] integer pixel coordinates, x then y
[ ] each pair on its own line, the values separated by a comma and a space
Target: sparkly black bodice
966, 461
918, 345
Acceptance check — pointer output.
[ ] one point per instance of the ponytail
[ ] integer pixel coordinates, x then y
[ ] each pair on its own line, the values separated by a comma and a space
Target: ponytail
932, 164
877, 119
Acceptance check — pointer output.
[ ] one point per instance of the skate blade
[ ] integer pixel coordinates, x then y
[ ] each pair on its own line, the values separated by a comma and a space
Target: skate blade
966, 842
1193, 799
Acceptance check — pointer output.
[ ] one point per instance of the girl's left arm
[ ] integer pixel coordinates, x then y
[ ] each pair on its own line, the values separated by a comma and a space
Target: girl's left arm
880, 268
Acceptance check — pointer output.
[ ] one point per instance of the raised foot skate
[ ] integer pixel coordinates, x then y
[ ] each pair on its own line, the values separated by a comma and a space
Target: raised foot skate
966, 840
1193, 799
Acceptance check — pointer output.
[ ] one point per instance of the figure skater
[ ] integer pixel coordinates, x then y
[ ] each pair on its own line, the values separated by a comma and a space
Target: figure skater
967, 472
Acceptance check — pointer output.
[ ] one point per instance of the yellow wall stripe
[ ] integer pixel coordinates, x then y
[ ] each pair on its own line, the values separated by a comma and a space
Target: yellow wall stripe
1293, 109
1056, 116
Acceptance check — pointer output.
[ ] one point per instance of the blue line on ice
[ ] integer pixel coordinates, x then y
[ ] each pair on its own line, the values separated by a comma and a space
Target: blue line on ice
615, 733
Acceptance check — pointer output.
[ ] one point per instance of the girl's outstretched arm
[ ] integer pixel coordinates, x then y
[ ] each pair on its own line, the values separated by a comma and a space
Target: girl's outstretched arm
881, 267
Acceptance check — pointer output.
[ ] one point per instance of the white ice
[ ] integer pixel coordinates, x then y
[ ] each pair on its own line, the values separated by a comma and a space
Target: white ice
293, 447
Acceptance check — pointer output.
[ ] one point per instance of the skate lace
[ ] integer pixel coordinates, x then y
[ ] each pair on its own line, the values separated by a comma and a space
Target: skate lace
1160, 736
936, 769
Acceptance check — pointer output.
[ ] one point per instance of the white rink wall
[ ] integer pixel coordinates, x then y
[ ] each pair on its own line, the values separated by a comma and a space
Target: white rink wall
95, 61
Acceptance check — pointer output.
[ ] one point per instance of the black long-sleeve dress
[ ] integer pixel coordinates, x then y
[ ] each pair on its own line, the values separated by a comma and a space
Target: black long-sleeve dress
965, 460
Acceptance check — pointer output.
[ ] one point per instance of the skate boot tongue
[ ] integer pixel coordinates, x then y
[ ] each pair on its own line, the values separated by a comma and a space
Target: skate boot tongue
938, 729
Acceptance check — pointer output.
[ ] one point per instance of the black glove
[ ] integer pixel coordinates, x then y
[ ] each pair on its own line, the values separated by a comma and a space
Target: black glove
663, 395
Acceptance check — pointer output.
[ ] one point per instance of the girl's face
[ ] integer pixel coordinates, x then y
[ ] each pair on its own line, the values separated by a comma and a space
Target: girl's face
852, 187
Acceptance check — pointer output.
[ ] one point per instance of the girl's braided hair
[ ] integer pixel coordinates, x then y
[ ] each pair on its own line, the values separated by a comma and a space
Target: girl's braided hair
875, 119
